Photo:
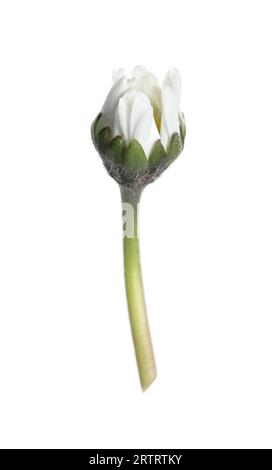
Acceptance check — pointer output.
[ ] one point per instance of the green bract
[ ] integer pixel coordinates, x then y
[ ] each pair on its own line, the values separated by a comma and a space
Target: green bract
127, 163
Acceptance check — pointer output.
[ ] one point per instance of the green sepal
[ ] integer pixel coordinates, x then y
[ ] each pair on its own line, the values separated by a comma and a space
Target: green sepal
103, 141
175, 146
94, 129
135, 157
116, 150
157, 154
182, 128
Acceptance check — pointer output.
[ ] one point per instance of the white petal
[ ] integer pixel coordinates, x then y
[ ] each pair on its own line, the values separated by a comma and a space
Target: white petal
170, 115
109, 107
139, 71
117, 73
140, 106
147, 82
122, 115
134, 120
146, 132
142, 125
173, 80
120, 120
114, 94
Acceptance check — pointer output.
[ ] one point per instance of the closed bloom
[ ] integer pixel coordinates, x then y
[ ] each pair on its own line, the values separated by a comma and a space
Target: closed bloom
140, 125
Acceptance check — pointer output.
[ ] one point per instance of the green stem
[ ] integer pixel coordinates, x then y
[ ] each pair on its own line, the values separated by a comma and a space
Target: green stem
135, 292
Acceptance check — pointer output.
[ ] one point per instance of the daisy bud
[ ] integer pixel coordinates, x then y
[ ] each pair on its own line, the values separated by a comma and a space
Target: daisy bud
140, 129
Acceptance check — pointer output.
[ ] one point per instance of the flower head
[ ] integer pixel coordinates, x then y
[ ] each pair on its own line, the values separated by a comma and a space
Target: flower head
140, 129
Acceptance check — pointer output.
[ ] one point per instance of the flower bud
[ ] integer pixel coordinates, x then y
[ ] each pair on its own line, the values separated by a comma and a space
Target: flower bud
140, 130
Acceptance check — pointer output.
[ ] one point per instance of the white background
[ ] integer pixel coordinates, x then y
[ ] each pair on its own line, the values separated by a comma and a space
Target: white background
67, 369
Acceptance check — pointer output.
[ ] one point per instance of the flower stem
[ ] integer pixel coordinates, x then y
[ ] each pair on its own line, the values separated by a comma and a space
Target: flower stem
134, 289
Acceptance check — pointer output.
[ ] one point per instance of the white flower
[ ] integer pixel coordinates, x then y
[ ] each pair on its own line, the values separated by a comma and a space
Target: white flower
138, 108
